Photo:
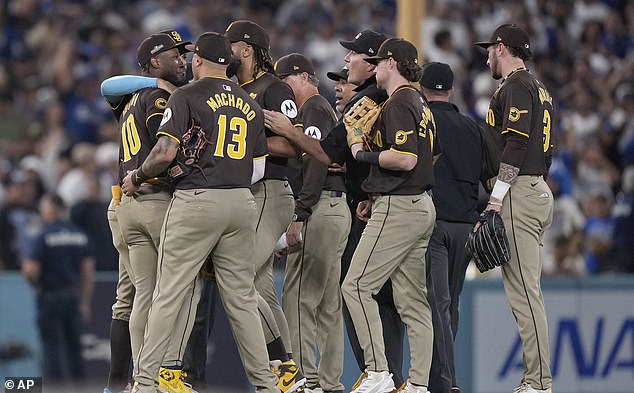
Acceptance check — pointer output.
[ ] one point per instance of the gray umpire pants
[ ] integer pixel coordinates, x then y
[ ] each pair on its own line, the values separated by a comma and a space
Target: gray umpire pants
447, 260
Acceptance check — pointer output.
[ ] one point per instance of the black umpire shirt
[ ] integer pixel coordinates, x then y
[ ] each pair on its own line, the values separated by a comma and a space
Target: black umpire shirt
457, 171
335, 145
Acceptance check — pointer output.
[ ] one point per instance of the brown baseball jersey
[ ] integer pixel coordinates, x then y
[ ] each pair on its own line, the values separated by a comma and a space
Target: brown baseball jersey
406, 126
317, 119
519, 122
233, 124
139, 116
273, 94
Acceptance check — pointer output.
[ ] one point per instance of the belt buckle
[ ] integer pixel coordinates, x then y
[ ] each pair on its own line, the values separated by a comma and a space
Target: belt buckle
336, 194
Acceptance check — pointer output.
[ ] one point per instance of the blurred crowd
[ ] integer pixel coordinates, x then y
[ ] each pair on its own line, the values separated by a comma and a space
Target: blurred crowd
57, 133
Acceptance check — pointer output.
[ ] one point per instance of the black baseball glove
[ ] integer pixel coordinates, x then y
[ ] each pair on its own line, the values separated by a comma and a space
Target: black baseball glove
193, 144
489, 245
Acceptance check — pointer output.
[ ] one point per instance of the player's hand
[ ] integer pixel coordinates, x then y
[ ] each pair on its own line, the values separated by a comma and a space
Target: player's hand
336, 168
294, 233
364, 210
127, 187
278, 123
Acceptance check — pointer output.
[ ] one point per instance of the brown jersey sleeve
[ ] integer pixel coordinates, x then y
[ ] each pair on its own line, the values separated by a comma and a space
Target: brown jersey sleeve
516, 122
176, 117
280, 98
400, 128
155, 104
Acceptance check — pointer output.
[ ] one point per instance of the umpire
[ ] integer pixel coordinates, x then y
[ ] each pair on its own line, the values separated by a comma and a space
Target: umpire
457, 173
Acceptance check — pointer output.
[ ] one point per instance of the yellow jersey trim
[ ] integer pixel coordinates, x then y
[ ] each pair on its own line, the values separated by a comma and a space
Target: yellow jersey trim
404, 152
260, 157
171, 136
509, 129
153, 114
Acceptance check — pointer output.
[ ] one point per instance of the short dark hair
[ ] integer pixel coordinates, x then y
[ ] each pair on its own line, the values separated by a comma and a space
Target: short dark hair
522, 53
410, 70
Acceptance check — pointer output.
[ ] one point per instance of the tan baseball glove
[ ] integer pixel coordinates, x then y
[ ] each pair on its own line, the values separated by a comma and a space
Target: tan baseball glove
359, 121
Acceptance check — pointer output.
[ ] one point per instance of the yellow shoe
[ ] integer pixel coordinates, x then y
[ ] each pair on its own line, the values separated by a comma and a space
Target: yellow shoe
362, 377
172, 381
290, 377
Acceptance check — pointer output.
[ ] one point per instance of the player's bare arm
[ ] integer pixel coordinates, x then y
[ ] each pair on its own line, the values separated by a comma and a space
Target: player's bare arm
508, 173
281, 125
162, 154
387, 159
280, 147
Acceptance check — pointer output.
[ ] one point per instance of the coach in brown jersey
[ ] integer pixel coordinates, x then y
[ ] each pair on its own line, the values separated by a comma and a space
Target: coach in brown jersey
312, 298
212, 212
401, 220
518, 135
252, 65
139, 218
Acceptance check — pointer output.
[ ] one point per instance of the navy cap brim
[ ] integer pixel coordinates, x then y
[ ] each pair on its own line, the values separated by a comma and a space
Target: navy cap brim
484, 44
350, 45
336, 76
375, 59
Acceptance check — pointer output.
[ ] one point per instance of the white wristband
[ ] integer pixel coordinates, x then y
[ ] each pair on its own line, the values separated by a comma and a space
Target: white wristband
500, 189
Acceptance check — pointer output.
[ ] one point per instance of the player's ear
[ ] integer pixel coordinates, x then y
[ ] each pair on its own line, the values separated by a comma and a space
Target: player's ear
154, 62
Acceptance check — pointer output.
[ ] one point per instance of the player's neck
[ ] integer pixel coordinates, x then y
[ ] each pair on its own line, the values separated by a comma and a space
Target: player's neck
304, 94
394, 83
513, 65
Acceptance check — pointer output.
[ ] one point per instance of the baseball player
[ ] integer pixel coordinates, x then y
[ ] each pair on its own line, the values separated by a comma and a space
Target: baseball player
343, 90
252, 65
456, 178
120, 349
334, 149
140, 217
312, 298
518, 136
219, 129
401, 217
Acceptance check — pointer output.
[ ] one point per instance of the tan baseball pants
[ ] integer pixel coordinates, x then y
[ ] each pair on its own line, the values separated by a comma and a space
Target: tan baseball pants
312, 297
393, 245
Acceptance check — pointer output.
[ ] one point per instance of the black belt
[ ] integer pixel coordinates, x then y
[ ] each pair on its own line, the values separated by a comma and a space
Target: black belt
335, 194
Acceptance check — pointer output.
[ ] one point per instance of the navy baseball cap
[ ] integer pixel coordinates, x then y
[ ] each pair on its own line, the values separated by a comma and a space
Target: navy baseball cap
337, 76
437, 76
367, 42
249, 32
509, 35
396, 48
294, 63
157, 43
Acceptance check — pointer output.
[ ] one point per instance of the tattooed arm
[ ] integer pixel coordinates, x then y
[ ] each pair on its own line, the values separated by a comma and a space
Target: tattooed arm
162, 154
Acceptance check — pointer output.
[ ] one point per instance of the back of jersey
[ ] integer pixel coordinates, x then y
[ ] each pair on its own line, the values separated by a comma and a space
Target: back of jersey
233, 125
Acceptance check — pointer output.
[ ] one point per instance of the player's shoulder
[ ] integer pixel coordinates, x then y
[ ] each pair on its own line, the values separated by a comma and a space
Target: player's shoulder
154, 97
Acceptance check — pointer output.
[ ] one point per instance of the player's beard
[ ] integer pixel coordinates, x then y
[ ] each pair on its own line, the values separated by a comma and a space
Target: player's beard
234, 66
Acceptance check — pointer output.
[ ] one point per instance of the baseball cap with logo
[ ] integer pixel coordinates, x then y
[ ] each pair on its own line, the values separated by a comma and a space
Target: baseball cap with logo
396, 48
249, 32
509, 35
367, 42
157, 43
337, 76
437, 76
212, 46
294, 63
